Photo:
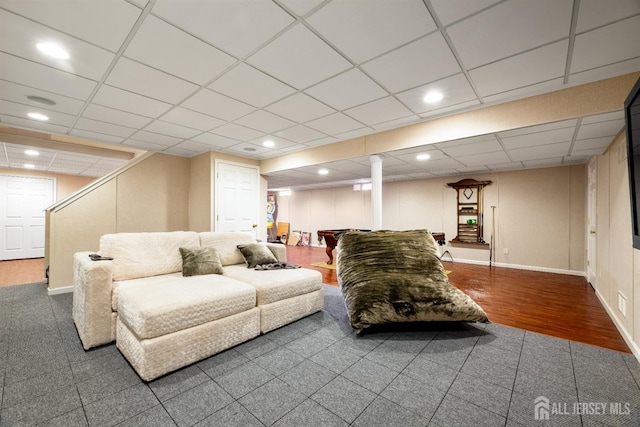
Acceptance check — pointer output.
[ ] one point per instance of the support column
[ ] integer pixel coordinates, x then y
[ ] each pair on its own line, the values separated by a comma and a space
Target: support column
376, 192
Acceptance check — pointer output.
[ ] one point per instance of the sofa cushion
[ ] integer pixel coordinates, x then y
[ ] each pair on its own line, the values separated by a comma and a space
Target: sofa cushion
256, 254
197, 261
226, 242
146, 254
276, 285
170, 303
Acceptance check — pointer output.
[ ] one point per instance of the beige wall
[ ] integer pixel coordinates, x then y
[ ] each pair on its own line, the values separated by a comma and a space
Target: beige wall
540, 214
617, 264
65, 184
152, 195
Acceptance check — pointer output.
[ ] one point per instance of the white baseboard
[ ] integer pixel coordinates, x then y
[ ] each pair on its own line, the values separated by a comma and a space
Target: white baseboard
58, 291
523, 267
623, 331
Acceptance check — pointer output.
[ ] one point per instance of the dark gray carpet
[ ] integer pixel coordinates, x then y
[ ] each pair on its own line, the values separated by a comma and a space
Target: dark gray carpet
313, 372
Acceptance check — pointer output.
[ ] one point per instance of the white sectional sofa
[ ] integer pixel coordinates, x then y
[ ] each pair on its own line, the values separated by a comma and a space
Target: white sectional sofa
162, 320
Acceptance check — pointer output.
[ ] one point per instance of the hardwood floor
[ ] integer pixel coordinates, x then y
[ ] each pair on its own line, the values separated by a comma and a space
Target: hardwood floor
21, 271
559, 305
553, 304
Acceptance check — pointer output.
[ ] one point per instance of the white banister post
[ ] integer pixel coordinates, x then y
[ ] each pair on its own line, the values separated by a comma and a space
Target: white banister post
376, 192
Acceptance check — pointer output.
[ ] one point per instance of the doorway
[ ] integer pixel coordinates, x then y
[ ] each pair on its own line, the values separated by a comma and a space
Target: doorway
592, 174
23, 201
237, 197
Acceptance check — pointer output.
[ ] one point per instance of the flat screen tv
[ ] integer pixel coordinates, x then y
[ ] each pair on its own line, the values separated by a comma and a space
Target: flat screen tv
632, 126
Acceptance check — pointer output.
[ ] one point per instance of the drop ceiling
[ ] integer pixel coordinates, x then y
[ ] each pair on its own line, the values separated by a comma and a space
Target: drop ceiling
186, 78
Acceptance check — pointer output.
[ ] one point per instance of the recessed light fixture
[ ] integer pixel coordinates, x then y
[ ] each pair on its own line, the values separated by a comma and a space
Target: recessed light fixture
53, 49
38, 116
423, 157
29, 166
41, 100
31, 153
268, 143
432, 97
323, 171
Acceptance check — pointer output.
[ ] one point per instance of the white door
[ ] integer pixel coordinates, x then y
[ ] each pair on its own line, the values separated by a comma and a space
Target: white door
22, 218
591, 223
237, 197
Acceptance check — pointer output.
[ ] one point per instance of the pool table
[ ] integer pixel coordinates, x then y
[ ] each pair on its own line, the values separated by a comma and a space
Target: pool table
331, 239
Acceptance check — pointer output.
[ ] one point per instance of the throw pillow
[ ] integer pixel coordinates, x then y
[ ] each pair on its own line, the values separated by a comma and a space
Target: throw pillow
256, 254
197, 261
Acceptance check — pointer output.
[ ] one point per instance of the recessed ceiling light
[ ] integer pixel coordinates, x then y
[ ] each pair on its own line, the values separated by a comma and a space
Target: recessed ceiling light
29, 166
323, 172
423, 157
269, 143
38, 116
53, 49
41, 100
432, 97
31, 153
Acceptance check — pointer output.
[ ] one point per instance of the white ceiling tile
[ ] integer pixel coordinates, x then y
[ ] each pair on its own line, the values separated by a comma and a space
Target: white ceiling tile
540, 128
167, 48
556, 161
452, 10
249, 85
603, 117
247, 149
350, 134
120, 99
179, 151
138, 78
588, 152
21, 111
214, 141
392, 124
484, 158
18, 93
321, 141
280, 143
217, 105
532, 67
489, 138
335, 123
110, 115
104, 23
547, 151
301, 7
196, 147
264, 121
382, 110
418, 64
141, 3
347, 90
241, 133
236, 27
595, 130
192, 119
362, 32
300, 108
144, 145
95, 136
487, 146
605, 71
299, 58
595, 13
171, 129
20, 36
456, 89
102, 127
506, 166
594, 48
154, 138
538, 138
461, 107
45, 78
486, 37
534, 89
32, 124
592, 143
578, 159
442, 164
300, 134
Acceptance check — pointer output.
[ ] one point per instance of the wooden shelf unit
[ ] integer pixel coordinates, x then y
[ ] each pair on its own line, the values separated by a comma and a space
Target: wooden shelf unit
469, 201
